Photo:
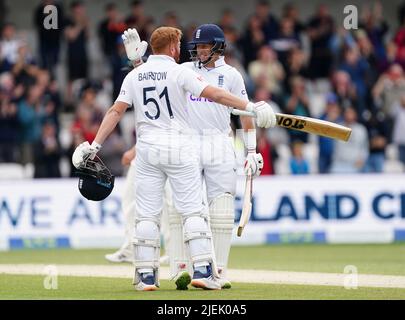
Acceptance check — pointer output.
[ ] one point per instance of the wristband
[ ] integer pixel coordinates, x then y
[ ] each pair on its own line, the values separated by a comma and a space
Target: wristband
249, 138
95, 145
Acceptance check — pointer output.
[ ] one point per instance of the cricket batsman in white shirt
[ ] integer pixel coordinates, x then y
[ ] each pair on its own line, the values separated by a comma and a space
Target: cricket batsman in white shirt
159, 89
217, 157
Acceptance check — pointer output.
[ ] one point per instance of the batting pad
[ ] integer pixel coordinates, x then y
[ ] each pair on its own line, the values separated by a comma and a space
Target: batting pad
222, 215
178, 257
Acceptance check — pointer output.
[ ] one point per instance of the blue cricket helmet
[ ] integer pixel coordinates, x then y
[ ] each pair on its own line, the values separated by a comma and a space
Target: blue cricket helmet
207, 34
95, 180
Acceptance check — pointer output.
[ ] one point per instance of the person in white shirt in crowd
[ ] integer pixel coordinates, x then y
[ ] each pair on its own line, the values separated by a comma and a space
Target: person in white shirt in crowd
351, 156
398, 136
9, 44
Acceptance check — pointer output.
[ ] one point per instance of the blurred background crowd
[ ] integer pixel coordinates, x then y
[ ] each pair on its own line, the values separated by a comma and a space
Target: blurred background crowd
312, 67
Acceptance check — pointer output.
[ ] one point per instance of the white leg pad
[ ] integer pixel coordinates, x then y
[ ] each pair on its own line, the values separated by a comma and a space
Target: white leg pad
179, 260
222, 215
128, 209
165, 228
198, 239
146, 243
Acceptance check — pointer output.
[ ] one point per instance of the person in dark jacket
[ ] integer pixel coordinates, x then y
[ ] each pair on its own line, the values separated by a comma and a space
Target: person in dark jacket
49, 39
47, 153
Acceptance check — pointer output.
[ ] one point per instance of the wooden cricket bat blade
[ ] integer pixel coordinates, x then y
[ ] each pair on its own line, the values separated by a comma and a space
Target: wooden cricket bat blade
306, 124
247, 204
244, 219
315, 126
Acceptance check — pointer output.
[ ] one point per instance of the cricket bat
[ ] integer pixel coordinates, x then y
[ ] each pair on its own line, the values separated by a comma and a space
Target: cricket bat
247, 203
310, 125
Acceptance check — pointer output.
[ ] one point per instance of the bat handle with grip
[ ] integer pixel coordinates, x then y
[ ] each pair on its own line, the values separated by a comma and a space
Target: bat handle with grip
238, 112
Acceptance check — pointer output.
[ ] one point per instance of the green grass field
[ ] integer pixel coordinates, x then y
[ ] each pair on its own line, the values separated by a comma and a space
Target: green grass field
369, 259
31, 287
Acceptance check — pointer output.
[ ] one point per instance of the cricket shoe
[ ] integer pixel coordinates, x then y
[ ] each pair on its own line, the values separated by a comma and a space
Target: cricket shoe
205, 280
146, 282
120, 256
182, 280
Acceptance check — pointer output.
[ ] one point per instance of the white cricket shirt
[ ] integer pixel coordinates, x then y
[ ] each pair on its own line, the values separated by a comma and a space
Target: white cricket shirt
159, 90
208, 117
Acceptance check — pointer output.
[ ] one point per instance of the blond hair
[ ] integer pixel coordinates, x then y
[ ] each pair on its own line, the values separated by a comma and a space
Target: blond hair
162, 37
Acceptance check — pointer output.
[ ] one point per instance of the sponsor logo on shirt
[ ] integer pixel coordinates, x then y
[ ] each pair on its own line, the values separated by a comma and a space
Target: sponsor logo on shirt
221, 80
200, 99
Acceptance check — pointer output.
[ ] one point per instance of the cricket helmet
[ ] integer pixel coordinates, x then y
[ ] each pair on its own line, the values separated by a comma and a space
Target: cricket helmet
95, 180
207, 34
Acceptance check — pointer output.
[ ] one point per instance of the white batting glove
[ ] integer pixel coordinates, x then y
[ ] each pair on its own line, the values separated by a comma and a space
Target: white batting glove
265, 116
84, 151
134, 47
254, 161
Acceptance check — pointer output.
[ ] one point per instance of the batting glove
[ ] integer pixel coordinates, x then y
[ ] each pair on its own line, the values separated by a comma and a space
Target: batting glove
254, 161
83, 152
265, 116
134, 47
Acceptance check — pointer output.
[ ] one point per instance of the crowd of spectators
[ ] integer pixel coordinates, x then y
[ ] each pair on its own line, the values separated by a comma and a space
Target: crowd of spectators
355, 77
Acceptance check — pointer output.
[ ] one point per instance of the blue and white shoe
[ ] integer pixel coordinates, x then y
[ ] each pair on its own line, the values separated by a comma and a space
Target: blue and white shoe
205, 279
146, 283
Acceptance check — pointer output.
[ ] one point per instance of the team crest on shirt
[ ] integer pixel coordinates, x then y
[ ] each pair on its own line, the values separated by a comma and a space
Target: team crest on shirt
221, 80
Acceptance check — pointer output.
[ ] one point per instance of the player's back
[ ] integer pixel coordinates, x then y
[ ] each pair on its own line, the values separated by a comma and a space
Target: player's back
159, 101
158, 91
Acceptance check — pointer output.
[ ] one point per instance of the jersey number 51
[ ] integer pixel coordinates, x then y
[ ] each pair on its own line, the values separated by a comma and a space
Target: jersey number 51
153, 101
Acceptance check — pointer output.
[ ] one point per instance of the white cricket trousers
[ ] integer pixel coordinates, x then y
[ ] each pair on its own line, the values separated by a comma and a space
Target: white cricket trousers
217, 164
178, 162
128, 209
